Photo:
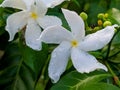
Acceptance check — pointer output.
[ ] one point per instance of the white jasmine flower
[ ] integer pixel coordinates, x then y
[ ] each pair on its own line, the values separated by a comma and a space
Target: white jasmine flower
74, 44
53, 3
32, 15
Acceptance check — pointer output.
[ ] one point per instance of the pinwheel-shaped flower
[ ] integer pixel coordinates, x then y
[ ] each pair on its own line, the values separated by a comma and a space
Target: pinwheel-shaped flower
32, 17
74, 44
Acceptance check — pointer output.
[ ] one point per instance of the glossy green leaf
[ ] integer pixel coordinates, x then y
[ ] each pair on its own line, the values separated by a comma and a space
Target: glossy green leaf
78, 81
99, 86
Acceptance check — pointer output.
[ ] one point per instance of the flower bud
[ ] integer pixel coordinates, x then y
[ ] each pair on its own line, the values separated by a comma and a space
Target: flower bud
97, 28
107, 23
84, 15
100, 22
100, 16
115, 30
106, 15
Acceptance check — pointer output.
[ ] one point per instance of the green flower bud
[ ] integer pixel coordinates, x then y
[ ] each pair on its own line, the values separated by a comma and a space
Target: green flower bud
106, 15
100, 15
97, 28
84, 15
107, 23
115, 30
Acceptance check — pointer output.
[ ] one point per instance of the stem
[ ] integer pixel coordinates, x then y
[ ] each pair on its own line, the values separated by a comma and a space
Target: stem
86, 25
20, 64
41, 78
17, 74
116, 79
115, 54
110, 70
109, 46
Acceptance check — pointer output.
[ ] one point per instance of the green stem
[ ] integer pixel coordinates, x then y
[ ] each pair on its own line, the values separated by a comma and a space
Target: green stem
19, 66
109, 46
108, 51
41, 78
116, 79
86, 25
115, 54
17, 74
110, 70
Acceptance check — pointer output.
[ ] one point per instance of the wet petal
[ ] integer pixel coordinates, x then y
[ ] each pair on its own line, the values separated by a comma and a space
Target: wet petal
32, 33
19, 4
16, 22
97, 40
55, 35
52, 3
49, 21
59, 60
84, 62
75, 22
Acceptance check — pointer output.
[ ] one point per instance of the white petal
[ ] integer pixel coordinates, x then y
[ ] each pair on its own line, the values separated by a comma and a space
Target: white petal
41, 8
32, 33
97, 40
59, 60
52, 3
85, 62
28, 3
16, 22
49, 21
55, 34
75, 22
19, 4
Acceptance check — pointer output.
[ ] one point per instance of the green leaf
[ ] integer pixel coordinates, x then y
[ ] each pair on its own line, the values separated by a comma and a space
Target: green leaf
78, 81
14, 74
20, 68
99, 86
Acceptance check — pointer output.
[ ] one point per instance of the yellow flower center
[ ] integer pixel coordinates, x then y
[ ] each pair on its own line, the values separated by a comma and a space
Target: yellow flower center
74, 43
34, 15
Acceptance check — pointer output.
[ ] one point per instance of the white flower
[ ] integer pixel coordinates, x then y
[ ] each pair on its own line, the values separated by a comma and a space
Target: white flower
53, 3
74, 44
32, 16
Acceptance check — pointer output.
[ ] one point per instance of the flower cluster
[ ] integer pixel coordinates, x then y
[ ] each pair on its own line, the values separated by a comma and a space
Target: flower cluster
72, 44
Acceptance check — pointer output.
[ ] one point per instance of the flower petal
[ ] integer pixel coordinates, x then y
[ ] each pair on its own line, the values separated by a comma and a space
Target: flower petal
32, 33
47, 21
97, 40
28, 3
85, 62
75, 22
16, 22
55, 34
59, 60
19, 4
41, 8
52, 3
